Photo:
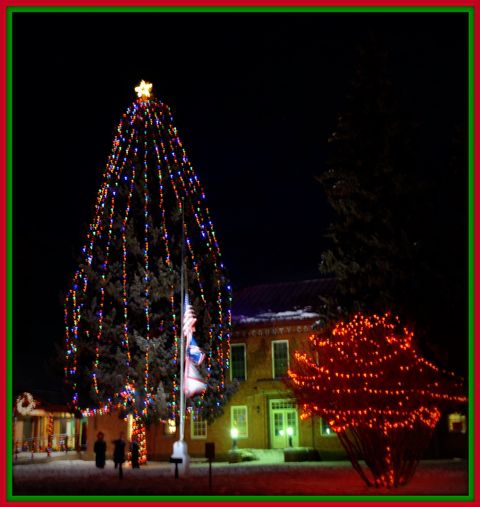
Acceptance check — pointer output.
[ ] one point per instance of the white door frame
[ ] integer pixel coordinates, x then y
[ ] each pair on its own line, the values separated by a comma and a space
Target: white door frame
283, 406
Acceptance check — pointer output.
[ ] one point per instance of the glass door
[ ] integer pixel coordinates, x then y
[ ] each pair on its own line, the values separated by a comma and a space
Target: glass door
283, 424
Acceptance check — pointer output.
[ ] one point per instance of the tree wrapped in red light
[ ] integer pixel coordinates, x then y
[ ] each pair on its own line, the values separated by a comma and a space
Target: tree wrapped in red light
377, 393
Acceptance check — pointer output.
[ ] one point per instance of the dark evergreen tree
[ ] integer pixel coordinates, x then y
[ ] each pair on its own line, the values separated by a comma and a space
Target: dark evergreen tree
385, 251
371, 193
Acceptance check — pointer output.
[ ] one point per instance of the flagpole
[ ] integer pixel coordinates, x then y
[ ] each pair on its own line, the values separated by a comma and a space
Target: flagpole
180, 457
182, 337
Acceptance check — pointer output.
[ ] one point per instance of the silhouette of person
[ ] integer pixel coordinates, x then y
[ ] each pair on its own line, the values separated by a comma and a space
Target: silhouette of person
100, 449
135, 453
119, 454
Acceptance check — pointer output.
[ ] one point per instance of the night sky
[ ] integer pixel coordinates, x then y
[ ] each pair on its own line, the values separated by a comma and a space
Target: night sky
254, 98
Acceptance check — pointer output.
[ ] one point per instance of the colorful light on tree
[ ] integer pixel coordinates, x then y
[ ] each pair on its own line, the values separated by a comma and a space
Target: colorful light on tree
122, 312
378, 394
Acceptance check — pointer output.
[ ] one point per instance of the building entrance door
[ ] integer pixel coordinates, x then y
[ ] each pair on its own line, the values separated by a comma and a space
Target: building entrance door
283, 424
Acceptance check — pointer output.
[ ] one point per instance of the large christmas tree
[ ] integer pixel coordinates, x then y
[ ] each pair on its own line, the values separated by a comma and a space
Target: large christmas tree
123, 310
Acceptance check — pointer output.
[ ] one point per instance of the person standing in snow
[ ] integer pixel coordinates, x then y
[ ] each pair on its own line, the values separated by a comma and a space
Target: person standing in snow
119, 454
100, 449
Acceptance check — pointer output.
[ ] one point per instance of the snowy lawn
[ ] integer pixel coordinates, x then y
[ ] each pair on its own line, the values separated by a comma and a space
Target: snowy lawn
77, 477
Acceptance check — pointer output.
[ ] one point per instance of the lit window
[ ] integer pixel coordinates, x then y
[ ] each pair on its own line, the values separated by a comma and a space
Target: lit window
457, 423
170, 427
198, 426
238, 368
282, 404
280, 358
239, 420
325, 429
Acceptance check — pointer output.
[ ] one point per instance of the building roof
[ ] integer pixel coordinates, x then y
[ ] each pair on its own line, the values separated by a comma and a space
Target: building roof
280, 301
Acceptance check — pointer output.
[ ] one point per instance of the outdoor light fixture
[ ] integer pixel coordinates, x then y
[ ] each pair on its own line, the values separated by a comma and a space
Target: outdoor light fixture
234, 435
290, 435
171, 427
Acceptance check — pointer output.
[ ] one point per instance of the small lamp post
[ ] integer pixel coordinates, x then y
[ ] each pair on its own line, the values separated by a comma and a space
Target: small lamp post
234, 435
290, 435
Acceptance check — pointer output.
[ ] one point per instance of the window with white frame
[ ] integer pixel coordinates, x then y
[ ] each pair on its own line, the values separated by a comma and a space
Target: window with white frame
280, 358
239, 420
198, 426
238, 361
325, 429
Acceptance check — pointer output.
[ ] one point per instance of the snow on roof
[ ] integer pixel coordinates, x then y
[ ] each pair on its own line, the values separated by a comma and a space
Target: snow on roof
280, 301
274, 316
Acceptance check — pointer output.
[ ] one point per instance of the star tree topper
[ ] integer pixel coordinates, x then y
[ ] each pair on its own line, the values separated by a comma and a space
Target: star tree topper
144, 89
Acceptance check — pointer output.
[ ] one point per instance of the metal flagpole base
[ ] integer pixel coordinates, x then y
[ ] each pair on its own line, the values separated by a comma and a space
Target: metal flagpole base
180, 451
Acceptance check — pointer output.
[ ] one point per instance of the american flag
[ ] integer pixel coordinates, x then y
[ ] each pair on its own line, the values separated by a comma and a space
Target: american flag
189, 320
195, 353
193, 382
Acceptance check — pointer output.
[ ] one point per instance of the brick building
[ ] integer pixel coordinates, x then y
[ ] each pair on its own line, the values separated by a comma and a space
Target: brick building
270, 322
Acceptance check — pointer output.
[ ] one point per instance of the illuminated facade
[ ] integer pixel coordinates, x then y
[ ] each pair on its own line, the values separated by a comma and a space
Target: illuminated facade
271, 322
45, 427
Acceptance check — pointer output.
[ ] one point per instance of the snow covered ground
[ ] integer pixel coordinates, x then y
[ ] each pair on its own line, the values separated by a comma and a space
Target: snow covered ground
77, 477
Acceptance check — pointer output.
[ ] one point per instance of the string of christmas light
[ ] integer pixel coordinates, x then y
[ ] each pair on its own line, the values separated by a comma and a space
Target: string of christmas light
122, 312
139, 436
50, 429
146, 259
368, 381
197, 204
